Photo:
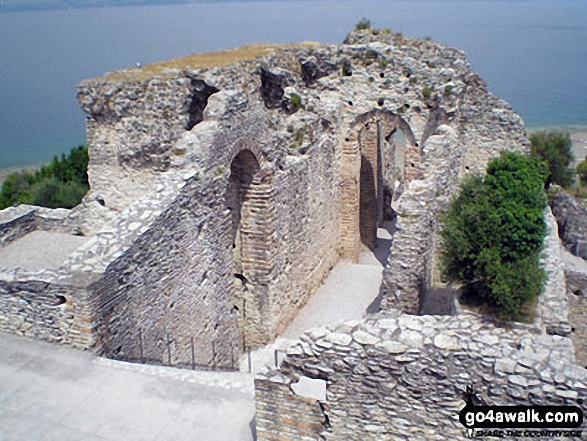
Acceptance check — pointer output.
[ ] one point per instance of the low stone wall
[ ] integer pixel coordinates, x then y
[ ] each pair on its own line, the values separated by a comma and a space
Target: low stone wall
283, 416
396, 376
16, 223
553, 309
54, 309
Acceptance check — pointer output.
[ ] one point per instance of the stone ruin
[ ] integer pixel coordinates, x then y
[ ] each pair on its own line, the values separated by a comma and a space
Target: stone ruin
225, 187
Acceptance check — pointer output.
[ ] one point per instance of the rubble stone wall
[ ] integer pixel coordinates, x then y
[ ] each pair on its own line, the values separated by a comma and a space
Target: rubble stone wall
571, 217
396, 376
577, 301
55, 310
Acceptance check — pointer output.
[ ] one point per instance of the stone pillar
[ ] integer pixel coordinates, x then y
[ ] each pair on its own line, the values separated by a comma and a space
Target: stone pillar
349, 197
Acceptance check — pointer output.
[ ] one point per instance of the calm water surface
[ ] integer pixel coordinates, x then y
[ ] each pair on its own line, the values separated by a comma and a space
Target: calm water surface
532, 53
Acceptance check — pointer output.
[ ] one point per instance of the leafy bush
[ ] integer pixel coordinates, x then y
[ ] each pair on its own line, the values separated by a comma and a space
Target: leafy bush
582, 171
61, 183
363, 24
493, 233
554, 148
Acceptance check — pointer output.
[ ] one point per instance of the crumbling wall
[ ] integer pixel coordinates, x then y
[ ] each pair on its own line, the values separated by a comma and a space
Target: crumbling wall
404, 377
577, 301
48, 304
411, 261
283, 415
16, 222
132, 127
307, 229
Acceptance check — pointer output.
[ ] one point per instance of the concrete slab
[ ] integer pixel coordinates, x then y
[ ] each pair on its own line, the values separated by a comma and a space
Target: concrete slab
54, 393
40, 250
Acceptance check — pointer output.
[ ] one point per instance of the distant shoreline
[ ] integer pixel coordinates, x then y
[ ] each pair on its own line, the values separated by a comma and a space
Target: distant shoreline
61, 5
5, 172
578, 135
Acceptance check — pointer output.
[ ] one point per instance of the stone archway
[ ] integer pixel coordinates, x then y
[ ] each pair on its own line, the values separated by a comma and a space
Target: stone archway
362, 195
248, 199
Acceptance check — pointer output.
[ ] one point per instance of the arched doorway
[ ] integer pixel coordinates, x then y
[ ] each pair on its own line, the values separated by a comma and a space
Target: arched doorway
248, 199
365, 200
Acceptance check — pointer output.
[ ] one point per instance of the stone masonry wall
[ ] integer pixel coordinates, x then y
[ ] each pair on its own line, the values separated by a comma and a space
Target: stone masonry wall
571, 217
392, 377
307, 228
188, 243
16, 222
47, 307
47, 304
282, 415
576, 291
166, 300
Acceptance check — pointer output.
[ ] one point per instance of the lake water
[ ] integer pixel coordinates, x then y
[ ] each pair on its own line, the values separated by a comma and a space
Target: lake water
532, 53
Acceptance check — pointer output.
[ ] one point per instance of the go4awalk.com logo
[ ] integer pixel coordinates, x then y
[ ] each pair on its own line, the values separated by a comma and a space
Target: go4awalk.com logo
520, 421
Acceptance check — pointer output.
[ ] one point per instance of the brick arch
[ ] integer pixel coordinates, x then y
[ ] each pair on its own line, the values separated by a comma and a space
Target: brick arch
250, 215
361, 176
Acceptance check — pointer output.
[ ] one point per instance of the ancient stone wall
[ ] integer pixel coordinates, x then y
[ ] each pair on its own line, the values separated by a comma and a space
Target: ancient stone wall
16, 225
166, 300
16, 222
282, 415
396, 376
577, 302
307, 229
132, 127
571, 217
47, 306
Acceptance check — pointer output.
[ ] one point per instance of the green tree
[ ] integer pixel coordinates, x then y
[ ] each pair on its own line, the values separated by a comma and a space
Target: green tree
554, 148
61, 183
493, 233
582, 171
16, 189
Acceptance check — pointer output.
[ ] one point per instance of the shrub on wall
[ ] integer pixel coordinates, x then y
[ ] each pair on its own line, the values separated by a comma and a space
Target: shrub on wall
493, 233
363, 24
554, 148
60, 184
582, 171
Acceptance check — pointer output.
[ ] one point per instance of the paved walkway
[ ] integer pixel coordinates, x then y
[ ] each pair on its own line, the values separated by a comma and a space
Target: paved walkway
40, 250
349, 291
55, 393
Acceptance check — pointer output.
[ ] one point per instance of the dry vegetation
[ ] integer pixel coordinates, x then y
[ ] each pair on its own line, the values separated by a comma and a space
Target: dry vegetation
203, 60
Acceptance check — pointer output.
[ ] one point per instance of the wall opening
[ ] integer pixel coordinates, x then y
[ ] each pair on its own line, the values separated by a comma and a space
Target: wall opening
376, 156
367, 203
200, 92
